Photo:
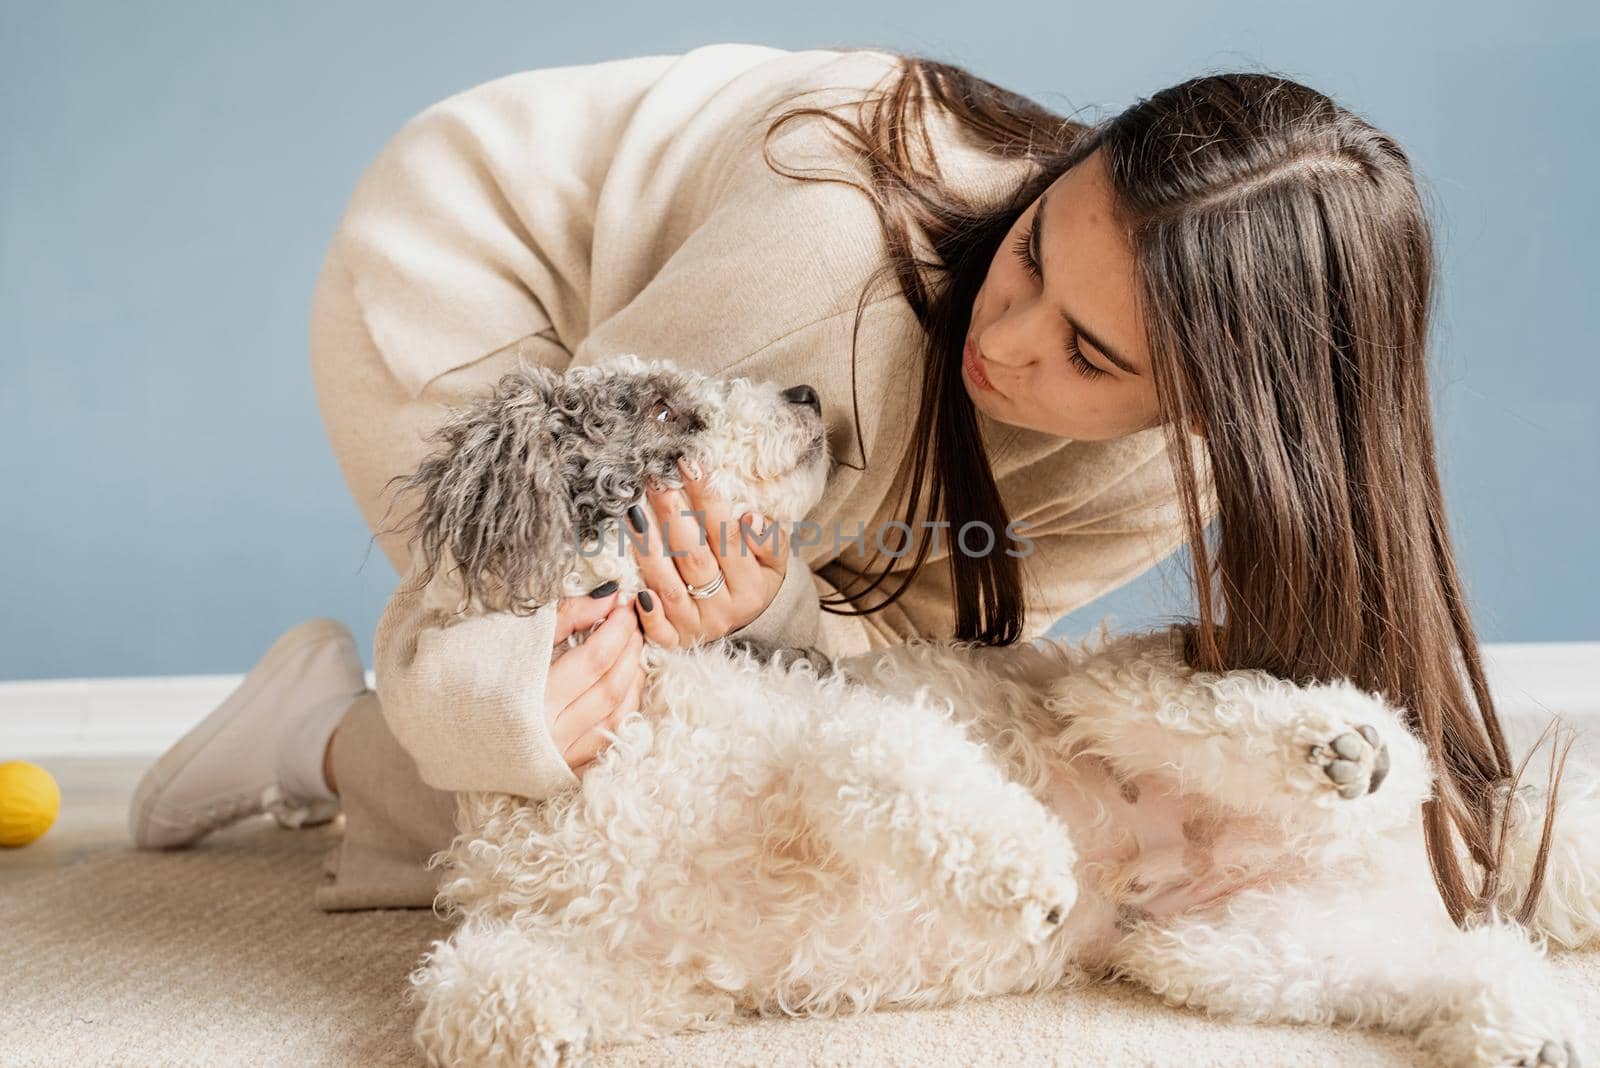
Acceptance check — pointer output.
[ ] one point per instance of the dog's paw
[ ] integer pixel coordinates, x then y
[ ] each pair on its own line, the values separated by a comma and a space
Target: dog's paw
1501, 1050
493, 1033
1035, 917
553, 1051
1551, 1054
1513, 1022
1499, 1046
1355, 762
1030, 898
554, 1037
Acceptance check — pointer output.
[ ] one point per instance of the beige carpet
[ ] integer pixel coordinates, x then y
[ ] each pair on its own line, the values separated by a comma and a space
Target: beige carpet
217, 956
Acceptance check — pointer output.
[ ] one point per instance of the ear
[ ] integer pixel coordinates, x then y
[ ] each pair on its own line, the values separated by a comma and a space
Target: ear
494, 505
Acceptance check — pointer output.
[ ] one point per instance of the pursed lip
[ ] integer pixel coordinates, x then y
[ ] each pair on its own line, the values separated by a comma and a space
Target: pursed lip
972, 363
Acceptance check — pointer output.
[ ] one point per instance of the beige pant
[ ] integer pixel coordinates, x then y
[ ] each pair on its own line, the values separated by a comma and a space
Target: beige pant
393, 821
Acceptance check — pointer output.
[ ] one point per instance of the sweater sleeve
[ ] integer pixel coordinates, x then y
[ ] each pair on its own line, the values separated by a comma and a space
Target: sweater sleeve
792, 619
463, 691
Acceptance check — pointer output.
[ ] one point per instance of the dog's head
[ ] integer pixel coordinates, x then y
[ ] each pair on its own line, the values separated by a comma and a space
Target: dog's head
525, 491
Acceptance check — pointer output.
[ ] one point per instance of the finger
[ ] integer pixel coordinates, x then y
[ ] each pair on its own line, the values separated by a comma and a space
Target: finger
600, 701
574, 614
721, 531
668, 576
631, 702
767, 541
658, 572
584, 751
574, 672
747, 589
658, 630
634, 702
684, 534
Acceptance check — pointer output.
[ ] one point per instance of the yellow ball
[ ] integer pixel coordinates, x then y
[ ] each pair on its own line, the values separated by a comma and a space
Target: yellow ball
29, 802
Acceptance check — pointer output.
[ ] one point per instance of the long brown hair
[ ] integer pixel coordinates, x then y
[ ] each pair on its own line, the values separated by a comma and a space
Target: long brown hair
1286, 271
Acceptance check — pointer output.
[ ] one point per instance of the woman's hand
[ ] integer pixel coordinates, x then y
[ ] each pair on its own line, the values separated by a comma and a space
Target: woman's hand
749, 557
591, 687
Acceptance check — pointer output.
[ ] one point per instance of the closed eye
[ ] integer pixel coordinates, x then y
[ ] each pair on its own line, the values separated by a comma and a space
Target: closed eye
1024, 252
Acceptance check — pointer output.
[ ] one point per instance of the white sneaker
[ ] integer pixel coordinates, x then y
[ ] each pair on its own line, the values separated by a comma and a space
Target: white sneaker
251, 755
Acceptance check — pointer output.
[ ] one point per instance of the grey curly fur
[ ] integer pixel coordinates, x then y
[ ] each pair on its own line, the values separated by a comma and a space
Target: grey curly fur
784, 656
521, 477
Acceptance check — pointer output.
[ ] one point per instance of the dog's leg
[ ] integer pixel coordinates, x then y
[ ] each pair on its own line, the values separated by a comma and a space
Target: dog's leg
1308, 757
495, 994
1347, 954
895, 779
1311, 758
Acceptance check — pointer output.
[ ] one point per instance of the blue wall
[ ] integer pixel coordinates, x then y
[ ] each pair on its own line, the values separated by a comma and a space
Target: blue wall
169, 175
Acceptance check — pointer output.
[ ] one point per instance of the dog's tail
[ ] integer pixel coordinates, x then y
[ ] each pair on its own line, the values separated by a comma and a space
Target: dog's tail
1568, 911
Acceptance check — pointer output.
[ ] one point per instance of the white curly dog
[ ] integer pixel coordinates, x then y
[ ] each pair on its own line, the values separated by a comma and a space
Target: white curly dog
940, 821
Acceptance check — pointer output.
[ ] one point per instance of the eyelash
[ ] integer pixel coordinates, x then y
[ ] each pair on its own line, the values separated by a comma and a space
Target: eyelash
1031, 265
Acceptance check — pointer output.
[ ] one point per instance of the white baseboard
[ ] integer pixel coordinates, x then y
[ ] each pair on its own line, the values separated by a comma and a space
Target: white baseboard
1531, 682
143, 716
106, 717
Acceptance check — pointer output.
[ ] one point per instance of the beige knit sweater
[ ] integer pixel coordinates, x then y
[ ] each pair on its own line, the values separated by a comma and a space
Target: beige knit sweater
627, 205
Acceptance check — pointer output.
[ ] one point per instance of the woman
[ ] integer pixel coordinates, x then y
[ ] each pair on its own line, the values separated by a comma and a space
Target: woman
1213, 305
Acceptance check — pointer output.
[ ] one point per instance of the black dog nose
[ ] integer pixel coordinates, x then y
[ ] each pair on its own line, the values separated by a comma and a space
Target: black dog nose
803, 395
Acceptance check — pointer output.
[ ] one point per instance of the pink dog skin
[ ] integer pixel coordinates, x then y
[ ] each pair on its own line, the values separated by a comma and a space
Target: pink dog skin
1147, 851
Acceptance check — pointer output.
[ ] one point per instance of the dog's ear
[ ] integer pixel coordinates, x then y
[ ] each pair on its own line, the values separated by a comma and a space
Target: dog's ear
494, 505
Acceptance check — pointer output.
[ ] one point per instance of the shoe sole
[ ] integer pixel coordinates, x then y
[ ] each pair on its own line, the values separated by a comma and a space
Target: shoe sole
171, 763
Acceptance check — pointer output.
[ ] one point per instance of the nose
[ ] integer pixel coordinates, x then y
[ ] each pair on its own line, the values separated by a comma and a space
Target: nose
803, 395
1001, 353
1005, 343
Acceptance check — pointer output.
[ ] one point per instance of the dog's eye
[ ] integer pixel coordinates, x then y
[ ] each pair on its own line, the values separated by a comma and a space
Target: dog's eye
662, 412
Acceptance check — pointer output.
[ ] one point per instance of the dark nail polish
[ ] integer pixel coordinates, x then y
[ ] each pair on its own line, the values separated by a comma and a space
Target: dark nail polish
605, 589
646, 601
636, 518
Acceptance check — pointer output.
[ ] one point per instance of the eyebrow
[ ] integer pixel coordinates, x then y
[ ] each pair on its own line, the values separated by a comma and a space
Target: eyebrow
1082, 331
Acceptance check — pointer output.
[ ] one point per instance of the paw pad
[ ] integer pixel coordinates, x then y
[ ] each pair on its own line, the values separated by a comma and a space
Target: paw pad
1356, 761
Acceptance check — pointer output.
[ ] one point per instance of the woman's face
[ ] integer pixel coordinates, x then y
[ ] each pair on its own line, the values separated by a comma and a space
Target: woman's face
1057, 339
